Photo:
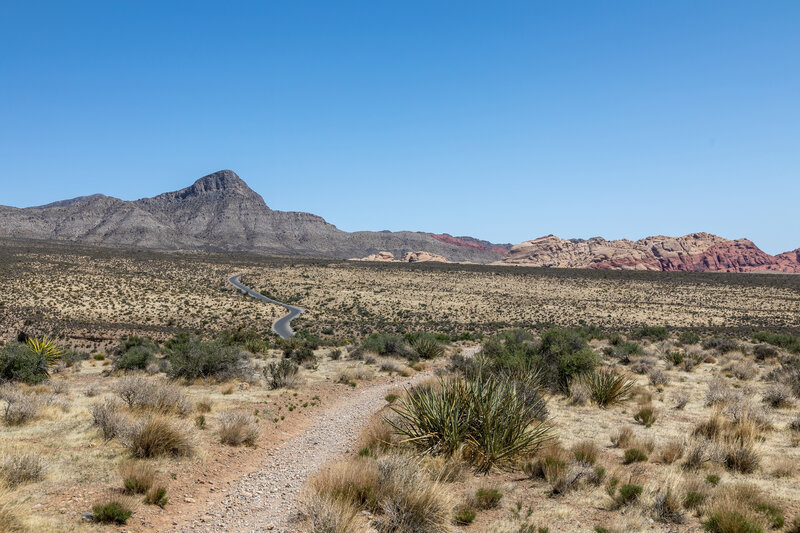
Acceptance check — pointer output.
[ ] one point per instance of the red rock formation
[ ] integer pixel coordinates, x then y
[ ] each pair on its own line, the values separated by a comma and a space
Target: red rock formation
697, 252
471, 242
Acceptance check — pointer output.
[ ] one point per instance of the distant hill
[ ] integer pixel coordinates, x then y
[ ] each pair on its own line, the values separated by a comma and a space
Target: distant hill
218, 212
221, 212
696, 252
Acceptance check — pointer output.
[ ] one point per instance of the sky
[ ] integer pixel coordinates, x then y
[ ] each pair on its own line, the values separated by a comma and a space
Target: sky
501, 120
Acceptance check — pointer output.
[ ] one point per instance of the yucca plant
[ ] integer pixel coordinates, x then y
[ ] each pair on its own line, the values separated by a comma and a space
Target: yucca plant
608, 386
45, 347
484, 418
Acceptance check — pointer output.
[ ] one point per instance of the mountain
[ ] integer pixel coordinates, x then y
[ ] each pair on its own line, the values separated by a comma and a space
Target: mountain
696, 252
218, 212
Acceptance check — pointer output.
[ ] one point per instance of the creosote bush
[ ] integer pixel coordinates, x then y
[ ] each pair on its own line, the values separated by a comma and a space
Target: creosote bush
21, 364
193, 358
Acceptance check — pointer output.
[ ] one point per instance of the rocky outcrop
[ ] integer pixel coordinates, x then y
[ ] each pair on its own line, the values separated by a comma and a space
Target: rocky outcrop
423, 257
696, 252
408, 257
386, 257
471, 242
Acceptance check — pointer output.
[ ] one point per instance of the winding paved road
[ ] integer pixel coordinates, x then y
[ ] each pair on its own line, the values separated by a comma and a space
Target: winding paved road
282, 326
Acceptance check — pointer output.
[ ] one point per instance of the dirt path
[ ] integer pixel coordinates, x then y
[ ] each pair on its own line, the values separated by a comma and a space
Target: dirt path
266, 499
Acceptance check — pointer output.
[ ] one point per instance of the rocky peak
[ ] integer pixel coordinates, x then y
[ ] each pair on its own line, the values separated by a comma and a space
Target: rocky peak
223, 180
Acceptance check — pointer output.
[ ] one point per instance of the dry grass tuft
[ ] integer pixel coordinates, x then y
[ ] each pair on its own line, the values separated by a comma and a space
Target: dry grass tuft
137, 477
10, 514
238, 428
328, 515
22, 468
157, 436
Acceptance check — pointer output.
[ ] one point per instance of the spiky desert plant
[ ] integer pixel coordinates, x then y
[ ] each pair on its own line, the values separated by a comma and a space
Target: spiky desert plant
45, 347
608, 386
484, 418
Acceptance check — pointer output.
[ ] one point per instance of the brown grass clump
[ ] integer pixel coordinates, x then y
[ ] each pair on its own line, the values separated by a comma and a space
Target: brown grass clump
137, 477
22, 468
550, 464
672, 451
238, 428
585, 452
783, 467
328, 515
742, 508
351, 482
623, 438
377, 436
10, 514
157, 436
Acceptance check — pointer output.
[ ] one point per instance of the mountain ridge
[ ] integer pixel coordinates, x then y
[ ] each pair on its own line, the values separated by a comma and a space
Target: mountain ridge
221, 212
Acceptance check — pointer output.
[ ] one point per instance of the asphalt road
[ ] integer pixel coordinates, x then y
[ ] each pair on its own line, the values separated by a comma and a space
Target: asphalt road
282, 326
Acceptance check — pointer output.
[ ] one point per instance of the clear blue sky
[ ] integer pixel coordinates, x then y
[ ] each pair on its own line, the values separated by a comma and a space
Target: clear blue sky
501, 120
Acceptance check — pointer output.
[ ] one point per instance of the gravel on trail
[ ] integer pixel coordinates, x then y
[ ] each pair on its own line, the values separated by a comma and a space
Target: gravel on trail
266, 500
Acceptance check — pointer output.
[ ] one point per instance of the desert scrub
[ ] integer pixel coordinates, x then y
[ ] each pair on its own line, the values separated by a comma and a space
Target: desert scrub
137, 477
655, 333
156, 436
193, 358
115, 511
143, 393
742, 508
585, 452
634, 455
19, 363
464, 516
550, 464
282, 373
237, 428
18, 469
328, 515
108, 417
487, 498
18, 407
425, 345
484, 418
646, 416
607, 386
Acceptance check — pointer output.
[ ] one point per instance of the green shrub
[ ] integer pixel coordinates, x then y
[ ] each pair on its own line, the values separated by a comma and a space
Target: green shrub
464, 516
634, 455
303, 356
729, 521
693, 499
787, 342
607, 386
656, 333
385, 344
675, 358
157, 496
488, 498
137, 358
112, 512
628, 494
197, 359
484, 418
646, 416
721, 344
425, 345
281, 374
19, 363
689, 337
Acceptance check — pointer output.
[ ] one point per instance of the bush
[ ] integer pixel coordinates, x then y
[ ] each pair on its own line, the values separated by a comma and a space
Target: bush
565, 355
157, 496
19, 363
137, 478
778, 396
464, 516
197, 359
155, 437
22, 468
136, 358
108, 418
487, 498
237, 428
385, 344
634, 455
656, 333
608, 387
628, 494
667, 506
742, 508
484, 418
689, 337
112, 512
672, 451
304, 356
328, 515
143, 393
19, 408
787, 342
764, 351
551, 464
425, 345
658, 378
741, 455
281, 374
585, 452
646, 416
721, 344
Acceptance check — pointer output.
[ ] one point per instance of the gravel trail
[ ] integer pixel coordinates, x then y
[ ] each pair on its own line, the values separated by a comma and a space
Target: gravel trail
266, 500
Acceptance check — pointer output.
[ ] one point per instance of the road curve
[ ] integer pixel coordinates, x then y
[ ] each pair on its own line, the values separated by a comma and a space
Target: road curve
282, 326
